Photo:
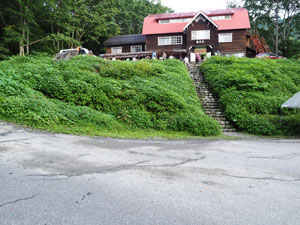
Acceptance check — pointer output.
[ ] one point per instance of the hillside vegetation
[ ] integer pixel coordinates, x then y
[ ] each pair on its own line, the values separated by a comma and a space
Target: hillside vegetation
252, 91
89, 93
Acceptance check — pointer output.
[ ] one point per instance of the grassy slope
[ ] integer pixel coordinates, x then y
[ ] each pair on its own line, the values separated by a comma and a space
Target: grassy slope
87, 95
252, 91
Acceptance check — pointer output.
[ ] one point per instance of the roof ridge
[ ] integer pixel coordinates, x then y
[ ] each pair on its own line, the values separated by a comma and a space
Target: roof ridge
127, 35
207, 10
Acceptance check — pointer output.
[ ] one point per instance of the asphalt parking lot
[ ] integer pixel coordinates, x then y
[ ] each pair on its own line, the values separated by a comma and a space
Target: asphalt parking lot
48, 178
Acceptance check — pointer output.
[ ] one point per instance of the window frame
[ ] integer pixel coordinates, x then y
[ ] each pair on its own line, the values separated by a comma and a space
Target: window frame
176, 20
170, 42
113, 48
221, 17
134, 46
195, 32
231, 37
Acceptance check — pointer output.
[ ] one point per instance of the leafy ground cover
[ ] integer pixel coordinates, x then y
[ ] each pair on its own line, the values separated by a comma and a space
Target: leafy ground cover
252, 91
88, 95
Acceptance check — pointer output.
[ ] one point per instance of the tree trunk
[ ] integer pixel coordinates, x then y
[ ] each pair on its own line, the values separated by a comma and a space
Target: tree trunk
21, 52
27, 44
283, 47
277, 33
277, 27
72, 36
21, 43
57, 42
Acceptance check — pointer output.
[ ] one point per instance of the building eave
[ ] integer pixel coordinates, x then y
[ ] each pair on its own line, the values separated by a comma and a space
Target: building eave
192, 20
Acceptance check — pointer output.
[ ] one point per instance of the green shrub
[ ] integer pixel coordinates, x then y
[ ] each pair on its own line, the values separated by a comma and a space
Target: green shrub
146, 94
252, 91
196, 123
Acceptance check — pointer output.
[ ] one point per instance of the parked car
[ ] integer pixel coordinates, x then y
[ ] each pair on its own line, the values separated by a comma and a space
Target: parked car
66, 54
82, 51
269, 55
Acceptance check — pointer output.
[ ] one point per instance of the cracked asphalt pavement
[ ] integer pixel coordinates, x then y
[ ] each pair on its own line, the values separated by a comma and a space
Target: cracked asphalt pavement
48, 178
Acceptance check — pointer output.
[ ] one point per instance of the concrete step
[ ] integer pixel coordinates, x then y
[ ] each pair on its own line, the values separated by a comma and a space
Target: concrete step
213, 111
224, 122
210, 102
207, 96
226, 127
210, 99
204, 89
228, 130
211, 107
219, 119
201, 88
214, 114
208, 107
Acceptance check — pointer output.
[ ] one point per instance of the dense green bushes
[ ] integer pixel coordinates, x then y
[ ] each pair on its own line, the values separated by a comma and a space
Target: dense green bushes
252, 91
110, 94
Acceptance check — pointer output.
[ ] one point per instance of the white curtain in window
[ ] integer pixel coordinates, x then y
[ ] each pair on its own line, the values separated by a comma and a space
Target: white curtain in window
116, 50
201, 35
226, 37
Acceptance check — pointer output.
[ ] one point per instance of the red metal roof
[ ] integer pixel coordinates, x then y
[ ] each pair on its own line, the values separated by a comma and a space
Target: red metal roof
219, 12
239, 20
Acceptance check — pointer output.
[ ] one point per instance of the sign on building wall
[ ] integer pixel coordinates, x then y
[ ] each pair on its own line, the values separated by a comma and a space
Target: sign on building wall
200, 51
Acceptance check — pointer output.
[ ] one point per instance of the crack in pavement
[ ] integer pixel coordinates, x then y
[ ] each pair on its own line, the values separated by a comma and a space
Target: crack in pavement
260, 178
99, 170
179, 163
284, 157
113, 169
17, 200
5, 133
23, 139
43, 175
141, 153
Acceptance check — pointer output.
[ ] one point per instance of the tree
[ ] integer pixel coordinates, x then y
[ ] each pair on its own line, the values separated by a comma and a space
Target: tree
234, 4
132, 13
21, 28
275, 19
50, 25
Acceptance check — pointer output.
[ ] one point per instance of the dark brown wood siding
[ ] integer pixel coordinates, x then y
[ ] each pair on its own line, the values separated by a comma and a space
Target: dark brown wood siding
200, 25
152, 42
238, 43
125, 47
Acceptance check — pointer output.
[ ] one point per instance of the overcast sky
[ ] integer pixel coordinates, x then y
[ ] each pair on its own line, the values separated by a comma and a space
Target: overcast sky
194, 5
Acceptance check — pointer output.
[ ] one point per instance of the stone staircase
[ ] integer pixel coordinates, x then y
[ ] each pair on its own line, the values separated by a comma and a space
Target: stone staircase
210, 101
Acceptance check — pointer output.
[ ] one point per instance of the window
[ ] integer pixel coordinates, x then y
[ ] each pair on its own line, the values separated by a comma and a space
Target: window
201, 35
226, 37
116, 50
175, 40
224, 17
136, 48
179, 20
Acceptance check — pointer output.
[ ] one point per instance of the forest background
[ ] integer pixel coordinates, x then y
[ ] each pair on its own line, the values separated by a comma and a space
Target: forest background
30, 27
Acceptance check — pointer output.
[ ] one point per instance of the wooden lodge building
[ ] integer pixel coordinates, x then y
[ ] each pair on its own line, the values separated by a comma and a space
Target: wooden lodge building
216, 32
